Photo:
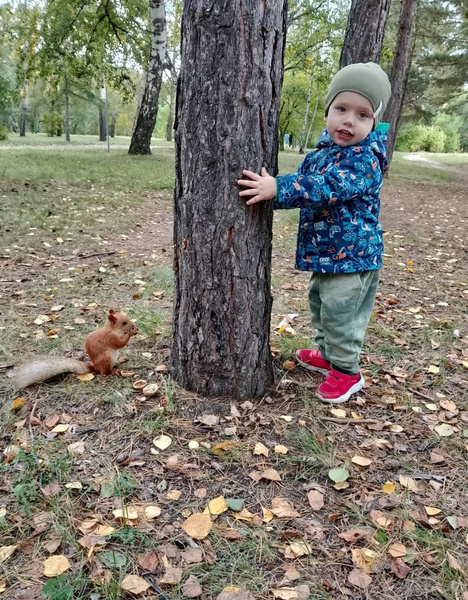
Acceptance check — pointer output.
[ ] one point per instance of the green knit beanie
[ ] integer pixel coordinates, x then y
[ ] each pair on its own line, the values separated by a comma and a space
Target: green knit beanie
367, 79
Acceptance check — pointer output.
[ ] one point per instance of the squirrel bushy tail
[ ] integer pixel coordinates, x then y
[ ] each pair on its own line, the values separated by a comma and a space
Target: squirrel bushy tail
41, 369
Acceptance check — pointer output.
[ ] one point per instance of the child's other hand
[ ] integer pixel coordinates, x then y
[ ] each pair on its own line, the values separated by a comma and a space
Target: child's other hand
262, 187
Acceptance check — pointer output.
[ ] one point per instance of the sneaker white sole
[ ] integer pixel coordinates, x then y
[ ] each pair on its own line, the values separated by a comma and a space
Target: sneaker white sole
356, 387
311, 368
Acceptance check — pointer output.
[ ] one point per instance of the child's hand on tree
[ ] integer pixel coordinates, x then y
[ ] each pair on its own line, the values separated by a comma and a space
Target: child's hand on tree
262, 187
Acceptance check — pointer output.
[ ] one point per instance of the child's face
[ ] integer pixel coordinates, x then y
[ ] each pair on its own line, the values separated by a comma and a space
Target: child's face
350, 119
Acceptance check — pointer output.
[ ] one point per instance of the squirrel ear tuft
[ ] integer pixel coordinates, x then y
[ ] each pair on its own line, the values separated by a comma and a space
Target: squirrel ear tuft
111, 316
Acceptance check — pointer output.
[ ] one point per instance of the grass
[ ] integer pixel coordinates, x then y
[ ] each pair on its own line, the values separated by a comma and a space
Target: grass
42, 139
93, 202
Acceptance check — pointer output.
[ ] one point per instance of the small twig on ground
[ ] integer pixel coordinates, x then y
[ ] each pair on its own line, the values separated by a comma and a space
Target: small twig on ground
31, 435
89, 255
349, 421
413, 391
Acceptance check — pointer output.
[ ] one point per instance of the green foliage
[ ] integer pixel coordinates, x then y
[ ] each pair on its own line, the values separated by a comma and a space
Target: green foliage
58, 589
450, 125
52, 123
3, 133
414, 138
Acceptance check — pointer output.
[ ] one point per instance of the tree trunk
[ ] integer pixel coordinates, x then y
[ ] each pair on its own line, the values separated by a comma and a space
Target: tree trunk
400, 69
226, 120
67, 119
114, 119
102, 123
148, 110
364, 32
170, 121
24, 109
312, 121
306, 116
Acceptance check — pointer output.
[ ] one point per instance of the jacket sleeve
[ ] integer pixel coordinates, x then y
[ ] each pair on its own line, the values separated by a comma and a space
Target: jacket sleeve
351, 177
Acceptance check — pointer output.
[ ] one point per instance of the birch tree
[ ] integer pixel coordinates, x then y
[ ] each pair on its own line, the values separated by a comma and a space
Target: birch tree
148, 108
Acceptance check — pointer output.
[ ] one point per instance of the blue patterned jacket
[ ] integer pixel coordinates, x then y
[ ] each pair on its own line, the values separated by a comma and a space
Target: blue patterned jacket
337, 190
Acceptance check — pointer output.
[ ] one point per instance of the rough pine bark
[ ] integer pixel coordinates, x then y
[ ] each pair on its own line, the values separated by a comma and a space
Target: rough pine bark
364, 32
148, 108
400, 68
226, 120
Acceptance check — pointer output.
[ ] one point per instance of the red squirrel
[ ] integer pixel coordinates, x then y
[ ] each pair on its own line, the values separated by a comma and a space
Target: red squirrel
101, 345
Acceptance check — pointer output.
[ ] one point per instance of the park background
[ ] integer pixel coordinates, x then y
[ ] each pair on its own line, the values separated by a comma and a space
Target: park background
98, 482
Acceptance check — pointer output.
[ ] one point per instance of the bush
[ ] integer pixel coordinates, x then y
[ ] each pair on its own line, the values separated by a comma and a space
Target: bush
435, 139
3, 133
52, 123
413, 138
450, 125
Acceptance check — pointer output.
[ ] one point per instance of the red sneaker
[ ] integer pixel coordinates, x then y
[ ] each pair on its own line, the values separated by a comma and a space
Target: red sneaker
338, 387
313, 361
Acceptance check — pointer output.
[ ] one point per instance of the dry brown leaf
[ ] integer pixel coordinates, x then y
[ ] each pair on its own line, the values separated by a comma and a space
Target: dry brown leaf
198, 526
364, 558
400, 568
174, 495
315, 498
359, 579
172, 576
149, 561
454, 564
200, 493
271, 475
135, 584
362, 461
279, 449
409, 483
354, 535
285, 593
381, 519
127, 513
235, 593
6, 552
56, 565
151, 511
397, 550
261, 449
192, 555
76, 448
282, 508
192, 587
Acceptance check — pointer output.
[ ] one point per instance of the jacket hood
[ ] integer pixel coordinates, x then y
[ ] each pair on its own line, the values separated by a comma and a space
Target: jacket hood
376, 141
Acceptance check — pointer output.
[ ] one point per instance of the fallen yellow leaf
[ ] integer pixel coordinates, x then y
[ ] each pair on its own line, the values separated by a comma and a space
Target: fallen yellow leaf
56, 565
431, 511
433, 369
216, 506
389, 487
61, 428
85, 376
198, 526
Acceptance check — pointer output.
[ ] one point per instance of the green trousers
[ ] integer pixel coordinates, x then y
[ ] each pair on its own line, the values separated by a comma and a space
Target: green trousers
340, 307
